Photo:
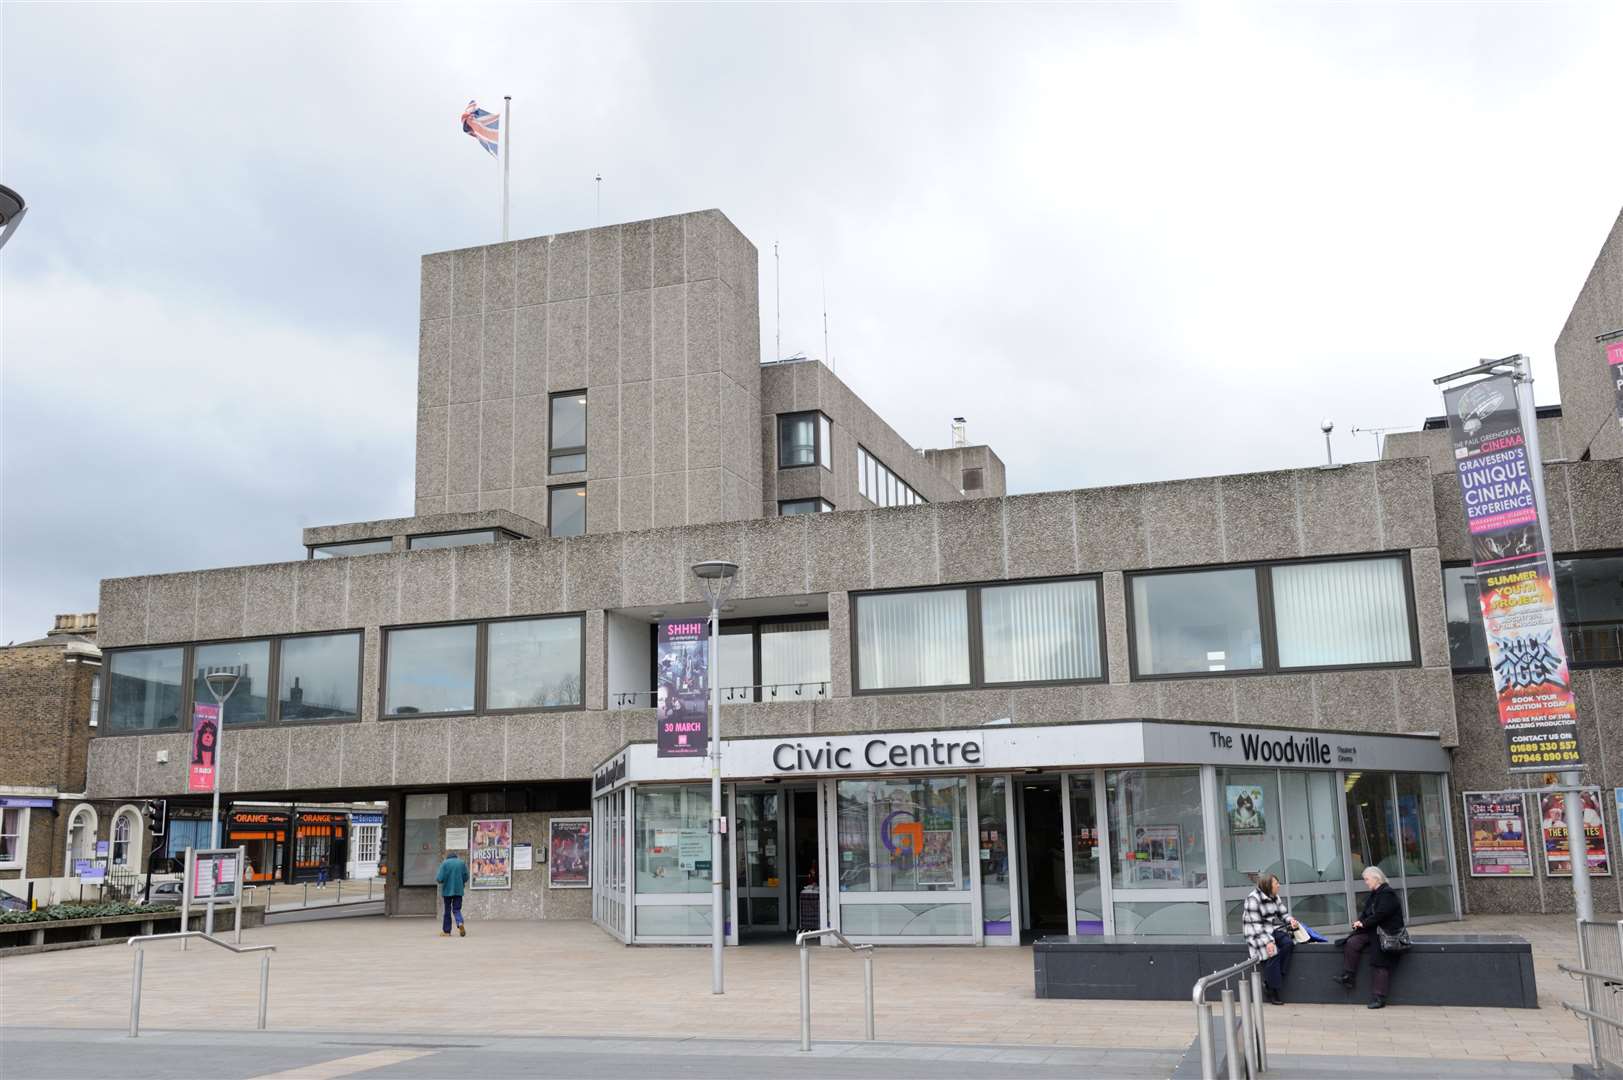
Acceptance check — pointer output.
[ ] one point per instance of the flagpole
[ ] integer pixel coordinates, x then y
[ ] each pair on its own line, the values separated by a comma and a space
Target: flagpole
507, 147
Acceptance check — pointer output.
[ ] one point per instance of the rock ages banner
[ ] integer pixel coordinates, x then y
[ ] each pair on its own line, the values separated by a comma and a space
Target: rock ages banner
1614, 368
1519, 613
683, 709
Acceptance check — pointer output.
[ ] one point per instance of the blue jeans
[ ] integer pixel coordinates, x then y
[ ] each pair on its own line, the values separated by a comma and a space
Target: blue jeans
453, 906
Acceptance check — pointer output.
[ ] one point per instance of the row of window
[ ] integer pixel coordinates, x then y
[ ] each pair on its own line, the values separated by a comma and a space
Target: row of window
497, 666
309, 677
788, 507
1265, 618
805, 438
1589, 589
881, 486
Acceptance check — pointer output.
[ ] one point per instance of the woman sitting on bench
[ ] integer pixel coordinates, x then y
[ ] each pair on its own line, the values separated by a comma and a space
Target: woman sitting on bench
1382, 911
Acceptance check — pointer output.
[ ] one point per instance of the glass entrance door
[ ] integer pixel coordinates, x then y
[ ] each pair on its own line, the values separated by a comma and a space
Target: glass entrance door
760, 857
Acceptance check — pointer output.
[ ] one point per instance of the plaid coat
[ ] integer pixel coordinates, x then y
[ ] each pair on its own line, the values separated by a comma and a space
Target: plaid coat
1261, 917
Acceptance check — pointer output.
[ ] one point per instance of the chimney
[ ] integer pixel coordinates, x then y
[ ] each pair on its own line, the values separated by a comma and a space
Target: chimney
74, 625
960, 432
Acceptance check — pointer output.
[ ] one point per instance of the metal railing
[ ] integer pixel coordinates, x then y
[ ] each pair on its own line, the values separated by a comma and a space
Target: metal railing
140, 956
1247, 1050
801, 939
1600, 966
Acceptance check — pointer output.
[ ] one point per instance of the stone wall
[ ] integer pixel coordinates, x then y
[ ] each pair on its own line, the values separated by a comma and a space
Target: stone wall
530, 897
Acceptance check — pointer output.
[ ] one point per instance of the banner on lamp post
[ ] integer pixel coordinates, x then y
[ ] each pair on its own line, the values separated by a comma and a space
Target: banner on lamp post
205, 743
1614, 368
682, 714
1520, 618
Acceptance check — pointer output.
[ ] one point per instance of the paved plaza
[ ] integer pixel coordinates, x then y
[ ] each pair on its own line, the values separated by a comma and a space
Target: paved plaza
515, 981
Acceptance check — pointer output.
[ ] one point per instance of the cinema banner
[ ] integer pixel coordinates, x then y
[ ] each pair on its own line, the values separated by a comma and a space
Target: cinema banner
1519, 613
1614, 368
683, 708
1557, 834
205, 739
1496, 823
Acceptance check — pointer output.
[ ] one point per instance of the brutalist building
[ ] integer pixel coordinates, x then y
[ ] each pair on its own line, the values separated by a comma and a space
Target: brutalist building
949, 714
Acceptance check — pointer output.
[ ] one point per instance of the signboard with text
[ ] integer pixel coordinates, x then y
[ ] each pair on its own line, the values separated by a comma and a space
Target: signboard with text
683, 707
215, 873
1496, 828
205, 742
1514, 584
491, 854
1614, 369
1557, 834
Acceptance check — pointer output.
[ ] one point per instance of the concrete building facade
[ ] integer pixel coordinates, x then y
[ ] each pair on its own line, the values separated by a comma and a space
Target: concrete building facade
473, 663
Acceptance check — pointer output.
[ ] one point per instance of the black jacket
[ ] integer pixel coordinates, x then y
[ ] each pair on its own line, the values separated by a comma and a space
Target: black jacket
1382, 909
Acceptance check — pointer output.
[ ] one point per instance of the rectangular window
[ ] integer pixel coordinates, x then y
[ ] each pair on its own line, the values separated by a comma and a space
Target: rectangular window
1372, 817
1333, 614
862, 472
913, 639
424, 846
1202, 621
1157, 834
735, 662
566, 433
533, 664
804, 506
566, 510
351, 547
880, 486
825, 442
458, 539
431, 669
95, 699
144, 689
249, 702
1590, 588
936, 859
1042, 632
1275, 617
1467, 644
1312, 823
13, 820
319, 677
794, 658
797, 439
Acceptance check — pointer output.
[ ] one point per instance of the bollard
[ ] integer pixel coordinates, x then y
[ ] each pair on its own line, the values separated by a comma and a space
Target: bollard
264, 987
867, 988
306, 895
1203, 1029
1230, 1048
805, 998
135, 995
1248, 1034
1257, 1021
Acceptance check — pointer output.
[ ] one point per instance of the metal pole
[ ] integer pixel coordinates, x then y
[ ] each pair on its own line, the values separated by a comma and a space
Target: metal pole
805, 997
188, 870
867, 988
507, 147
242, 858
1248, 1034
264, 987
135, 993
1577, 835
1257, 1021
717, 927
1203, 1028
1229, 1047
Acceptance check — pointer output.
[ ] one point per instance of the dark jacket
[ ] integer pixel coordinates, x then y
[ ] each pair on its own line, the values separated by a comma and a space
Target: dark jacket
1383, 910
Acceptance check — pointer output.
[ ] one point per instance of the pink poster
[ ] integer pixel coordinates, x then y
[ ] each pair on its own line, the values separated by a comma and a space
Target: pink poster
205, 740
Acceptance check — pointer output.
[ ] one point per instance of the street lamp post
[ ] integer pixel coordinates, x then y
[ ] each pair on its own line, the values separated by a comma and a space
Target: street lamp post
222, 684
716, 575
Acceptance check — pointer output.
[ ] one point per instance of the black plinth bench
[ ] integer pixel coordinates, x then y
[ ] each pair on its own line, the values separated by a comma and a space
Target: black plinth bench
1481, 970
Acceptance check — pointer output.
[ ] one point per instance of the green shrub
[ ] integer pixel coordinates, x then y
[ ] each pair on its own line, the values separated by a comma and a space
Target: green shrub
62, 912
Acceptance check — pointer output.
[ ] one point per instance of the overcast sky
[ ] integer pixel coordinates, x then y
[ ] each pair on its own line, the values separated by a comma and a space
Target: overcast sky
1129, 242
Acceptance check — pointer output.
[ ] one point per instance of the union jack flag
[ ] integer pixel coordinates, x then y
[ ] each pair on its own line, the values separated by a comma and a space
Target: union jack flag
482, 125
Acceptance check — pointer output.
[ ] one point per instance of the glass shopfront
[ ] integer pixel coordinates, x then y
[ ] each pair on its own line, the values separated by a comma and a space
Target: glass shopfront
904, 853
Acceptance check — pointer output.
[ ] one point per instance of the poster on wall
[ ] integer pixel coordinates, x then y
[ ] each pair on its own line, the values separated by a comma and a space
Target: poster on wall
1496, 823
683, 706
491, 854
935, 863
1614, 367
1557, 847
205, 739
1157, 854
1520, 616
1247, 815
569, 860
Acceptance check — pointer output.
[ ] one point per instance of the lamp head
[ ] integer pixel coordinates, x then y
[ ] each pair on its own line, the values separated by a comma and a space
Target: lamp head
221, 684
716, 575
1327, 425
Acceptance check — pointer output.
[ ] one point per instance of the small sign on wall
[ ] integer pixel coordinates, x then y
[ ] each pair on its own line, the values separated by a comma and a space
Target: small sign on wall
523, 857
456, 839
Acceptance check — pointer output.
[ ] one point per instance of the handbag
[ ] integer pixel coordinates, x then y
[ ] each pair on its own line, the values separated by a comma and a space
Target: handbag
1393, 943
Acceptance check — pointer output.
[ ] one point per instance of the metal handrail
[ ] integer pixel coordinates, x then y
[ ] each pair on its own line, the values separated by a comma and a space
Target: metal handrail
1255, 1048
1608, 977
801, 940
140, 958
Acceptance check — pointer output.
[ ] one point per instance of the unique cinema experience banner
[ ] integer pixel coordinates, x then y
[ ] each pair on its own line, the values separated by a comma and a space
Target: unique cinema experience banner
1557, 842
490, 853
1496, 823
684, 689
205, 741
569, 860
1519, 612
1614, 368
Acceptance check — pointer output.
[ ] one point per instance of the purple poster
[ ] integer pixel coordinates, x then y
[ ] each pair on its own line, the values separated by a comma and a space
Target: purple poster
684, 685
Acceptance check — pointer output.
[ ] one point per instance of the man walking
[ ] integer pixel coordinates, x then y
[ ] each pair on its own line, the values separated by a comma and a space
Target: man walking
453, 879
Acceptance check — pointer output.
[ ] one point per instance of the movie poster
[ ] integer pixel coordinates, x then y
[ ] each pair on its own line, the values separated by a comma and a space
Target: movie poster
683, 706
1614, 370
1157, 854
1247, 816
569, 859
1557, 849
1496, 823
490, 854
935, 863
1517, 593
205, 742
